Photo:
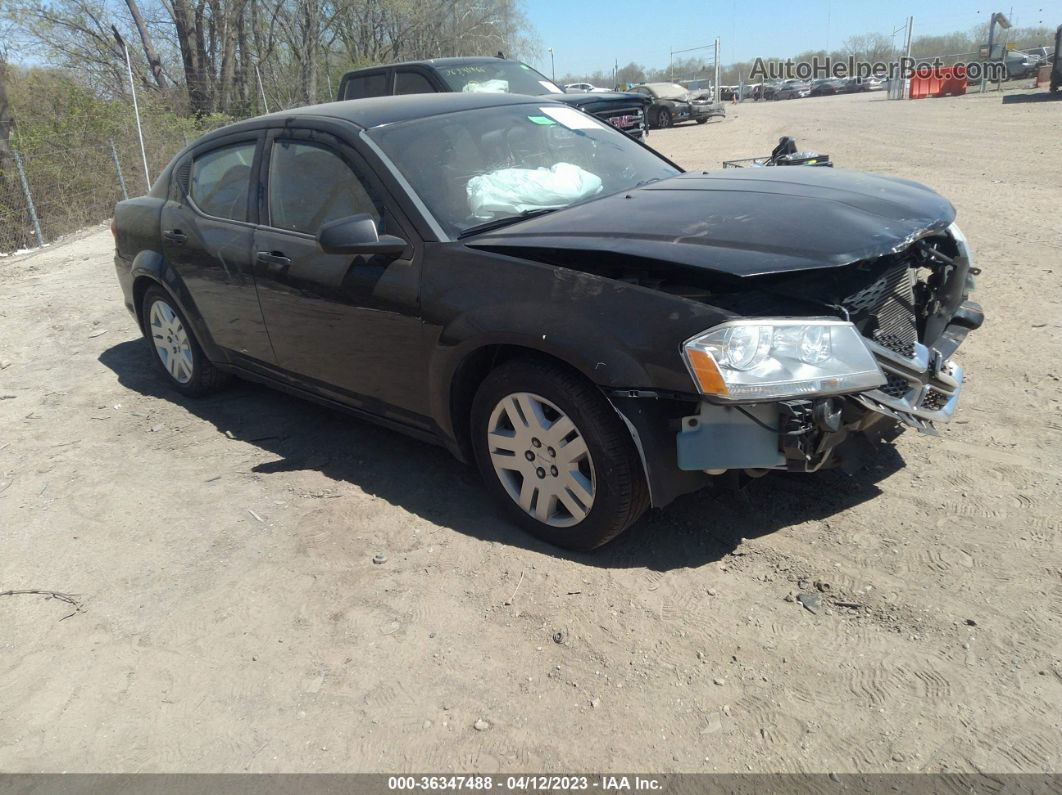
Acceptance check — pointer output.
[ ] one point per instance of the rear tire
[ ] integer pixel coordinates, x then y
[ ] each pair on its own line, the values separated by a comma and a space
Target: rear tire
702, 121
174, 348
526, 418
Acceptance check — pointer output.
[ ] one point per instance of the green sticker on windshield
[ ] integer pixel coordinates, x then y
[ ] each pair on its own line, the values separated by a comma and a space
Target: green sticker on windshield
541, 120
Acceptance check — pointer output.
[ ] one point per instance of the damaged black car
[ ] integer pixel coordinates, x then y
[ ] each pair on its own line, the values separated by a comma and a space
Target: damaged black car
596, 329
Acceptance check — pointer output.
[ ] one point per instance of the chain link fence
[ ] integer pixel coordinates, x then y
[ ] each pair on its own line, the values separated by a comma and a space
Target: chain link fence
54, 185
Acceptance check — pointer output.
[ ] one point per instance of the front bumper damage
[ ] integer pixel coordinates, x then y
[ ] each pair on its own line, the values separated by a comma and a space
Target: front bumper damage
920, 392
911, 322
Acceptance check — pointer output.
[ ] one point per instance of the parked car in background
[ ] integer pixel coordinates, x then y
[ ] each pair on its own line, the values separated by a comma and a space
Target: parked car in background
1020, 65
624, 111
827, 87
529, 288
792, 89
672, 104
585, 88
853, 85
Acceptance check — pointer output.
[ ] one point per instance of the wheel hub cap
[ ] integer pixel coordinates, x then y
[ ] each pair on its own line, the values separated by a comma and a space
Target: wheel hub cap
172, 344
541, 459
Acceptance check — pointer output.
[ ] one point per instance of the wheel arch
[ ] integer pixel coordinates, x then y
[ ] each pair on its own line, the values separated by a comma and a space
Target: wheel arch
470, 372
150, 269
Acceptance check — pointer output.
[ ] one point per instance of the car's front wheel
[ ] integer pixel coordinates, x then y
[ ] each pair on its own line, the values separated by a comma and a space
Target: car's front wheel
663, 118
556, 455
175, 348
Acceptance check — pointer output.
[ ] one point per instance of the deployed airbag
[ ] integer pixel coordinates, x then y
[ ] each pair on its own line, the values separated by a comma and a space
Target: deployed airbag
514, 190
487, 87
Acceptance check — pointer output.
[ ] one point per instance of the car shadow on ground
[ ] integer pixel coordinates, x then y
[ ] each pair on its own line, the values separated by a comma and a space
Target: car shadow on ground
1018, 99
427, 481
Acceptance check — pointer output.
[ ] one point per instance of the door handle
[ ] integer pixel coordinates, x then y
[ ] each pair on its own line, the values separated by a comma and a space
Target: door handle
274, 260
175, 236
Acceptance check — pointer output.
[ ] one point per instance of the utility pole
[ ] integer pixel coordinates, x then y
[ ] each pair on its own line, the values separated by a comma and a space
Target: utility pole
552, 68
715, 82
906, 83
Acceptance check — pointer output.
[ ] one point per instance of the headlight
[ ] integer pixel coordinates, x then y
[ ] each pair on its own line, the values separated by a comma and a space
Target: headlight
961, 242
770, 358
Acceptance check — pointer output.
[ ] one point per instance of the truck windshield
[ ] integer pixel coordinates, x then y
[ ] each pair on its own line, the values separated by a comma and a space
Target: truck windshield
498, 77
478, 167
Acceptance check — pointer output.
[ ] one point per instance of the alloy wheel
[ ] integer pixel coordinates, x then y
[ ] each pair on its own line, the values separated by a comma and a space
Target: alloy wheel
541, 459
172, 344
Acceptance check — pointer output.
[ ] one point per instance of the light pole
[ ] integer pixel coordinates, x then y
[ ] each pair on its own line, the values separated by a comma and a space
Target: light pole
552, 68
136, 107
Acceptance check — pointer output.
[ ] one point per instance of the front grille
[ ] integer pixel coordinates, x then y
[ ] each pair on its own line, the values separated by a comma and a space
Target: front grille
626, 119
895, 387
934, 399
885, 311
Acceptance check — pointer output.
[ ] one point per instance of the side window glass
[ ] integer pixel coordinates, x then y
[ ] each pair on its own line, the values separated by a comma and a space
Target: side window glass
220, 180
310, 186
412, 83
367, 86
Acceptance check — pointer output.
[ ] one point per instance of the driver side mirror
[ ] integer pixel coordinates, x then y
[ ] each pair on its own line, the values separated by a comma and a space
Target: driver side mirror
357, 234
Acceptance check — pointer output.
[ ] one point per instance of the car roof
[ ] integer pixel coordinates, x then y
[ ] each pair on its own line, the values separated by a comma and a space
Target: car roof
457, 60
377, 111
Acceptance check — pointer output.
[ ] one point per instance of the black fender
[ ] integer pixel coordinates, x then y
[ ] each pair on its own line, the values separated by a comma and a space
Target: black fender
620, 336
152, 266
574, 341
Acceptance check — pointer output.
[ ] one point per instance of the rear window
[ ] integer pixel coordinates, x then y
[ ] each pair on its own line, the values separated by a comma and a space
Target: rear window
220, 181
374, 85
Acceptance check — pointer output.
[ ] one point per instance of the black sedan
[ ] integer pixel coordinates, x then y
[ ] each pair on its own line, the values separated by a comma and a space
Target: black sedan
792, 89
827, 87
543, 295
673, 104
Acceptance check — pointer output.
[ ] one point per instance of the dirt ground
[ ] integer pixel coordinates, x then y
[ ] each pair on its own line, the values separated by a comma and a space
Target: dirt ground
232, 618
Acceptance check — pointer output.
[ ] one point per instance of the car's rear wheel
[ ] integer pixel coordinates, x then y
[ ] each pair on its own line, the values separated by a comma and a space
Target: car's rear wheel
702, 121
555, 455
663, 118
174, 347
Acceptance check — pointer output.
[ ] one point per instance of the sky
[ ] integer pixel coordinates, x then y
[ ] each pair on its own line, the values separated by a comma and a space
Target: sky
589, 35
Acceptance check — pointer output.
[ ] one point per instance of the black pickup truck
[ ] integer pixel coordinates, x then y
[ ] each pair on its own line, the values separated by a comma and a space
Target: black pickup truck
626, 112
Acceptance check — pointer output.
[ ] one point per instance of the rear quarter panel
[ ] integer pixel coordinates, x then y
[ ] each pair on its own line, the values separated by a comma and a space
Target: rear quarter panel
136, 224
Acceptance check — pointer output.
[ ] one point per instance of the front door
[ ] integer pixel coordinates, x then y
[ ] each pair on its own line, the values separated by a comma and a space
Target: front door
207, 237
349, 323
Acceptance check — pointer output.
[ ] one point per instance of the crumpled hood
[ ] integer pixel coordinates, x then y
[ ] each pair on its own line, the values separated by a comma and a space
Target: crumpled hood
743, 222
600, 97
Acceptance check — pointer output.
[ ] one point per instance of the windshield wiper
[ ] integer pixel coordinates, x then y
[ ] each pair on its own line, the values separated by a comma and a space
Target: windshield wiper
498, 223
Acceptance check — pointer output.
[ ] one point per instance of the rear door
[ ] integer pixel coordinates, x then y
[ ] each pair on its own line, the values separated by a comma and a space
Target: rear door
351, 324
208, 234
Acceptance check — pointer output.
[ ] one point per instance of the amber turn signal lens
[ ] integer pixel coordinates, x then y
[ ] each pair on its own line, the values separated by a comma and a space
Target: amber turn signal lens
706, 371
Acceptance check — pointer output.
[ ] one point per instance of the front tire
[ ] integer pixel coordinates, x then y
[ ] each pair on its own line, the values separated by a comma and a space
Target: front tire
663, 118
555, 455
174, 348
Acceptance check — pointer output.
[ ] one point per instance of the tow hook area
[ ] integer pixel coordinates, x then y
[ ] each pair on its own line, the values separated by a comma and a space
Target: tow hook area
809, 432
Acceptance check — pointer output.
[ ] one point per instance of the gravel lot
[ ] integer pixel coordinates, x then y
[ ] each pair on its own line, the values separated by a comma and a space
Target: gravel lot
232, 619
